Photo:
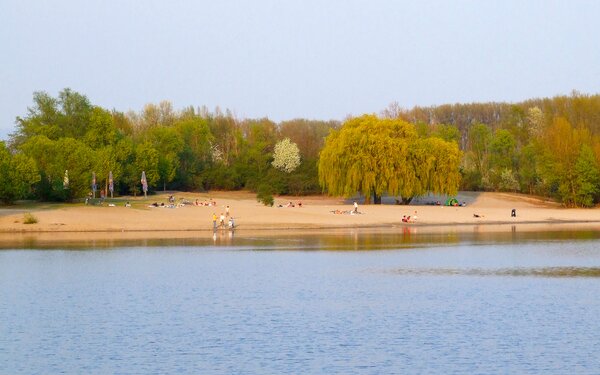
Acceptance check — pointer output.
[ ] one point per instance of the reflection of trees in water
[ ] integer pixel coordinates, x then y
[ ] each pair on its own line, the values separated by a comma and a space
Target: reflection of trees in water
348, 239
402, 237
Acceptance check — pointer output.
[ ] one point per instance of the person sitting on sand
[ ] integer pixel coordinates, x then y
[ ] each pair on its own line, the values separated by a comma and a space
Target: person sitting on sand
127, 204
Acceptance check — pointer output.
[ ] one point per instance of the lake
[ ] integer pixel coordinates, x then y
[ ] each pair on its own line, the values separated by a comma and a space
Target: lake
349, 302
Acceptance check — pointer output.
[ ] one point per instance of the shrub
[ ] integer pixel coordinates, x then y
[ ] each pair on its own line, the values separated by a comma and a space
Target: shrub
28, 218
265, 195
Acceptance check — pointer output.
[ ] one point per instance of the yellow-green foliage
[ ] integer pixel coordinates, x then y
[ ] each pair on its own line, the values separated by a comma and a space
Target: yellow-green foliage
376, 156
28, 218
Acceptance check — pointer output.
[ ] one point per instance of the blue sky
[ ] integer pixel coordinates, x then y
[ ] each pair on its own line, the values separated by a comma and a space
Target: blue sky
288, 59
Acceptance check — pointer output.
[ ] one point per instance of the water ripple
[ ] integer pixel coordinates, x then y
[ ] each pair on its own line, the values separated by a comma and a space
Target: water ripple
560, 272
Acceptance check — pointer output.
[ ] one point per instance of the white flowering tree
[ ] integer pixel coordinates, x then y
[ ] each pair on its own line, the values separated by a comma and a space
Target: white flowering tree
286, 156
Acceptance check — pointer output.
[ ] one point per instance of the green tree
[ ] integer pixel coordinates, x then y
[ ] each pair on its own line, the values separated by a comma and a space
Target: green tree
587, 178
101, 130
477, 155
127, 178
17, 175
502, 148
195, 155
76, 157
168, 143
146, 159
529, 169
254, 161
449, 133
106, 161
374, 156
52, 158
502, 161
560, 149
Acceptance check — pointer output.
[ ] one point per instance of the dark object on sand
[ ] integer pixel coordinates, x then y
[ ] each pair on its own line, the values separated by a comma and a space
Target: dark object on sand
513, 213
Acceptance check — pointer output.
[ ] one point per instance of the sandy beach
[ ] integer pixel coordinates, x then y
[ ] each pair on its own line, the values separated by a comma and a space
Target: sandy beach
489, 211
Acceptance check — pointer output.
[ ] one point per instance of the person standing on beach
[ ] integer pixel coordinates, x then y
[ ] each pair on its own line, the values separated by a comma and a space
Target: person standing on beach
355, 207
227, 211
214, 221
222, 220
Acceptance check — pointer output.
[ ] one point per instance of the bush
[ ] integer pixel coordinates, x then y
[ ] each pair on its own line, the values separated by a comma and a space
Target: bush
28, 218
265, 195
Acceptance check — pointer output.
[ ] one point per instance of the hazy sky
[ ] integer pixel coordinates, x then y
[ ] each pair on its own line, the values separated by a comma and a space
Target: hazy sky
287, 59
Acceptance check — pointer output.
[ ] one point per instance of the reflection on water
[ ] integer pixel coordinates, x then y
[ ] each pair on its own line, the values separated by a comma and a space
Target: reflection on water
532, 272
342, 239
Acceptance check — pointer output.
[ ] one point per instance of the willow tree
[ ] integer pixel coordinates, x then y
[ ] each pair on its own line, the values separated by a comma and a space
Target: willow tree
374, 156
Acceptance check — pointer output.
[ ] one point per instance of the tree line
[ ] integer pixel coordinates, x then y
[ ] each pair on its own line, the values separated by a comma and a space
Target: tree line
191, 149
548, 147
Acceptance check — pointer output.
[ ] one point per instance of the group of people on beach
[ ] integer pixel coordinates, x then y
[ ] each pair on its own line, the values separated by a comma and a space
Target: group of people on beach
206, 203
290, 204
354, 211
409, 218
222, 218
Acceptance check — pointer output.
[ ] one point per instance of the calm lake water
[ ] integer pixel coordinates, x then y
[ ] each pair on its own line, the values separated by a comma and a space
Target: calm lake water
349, 302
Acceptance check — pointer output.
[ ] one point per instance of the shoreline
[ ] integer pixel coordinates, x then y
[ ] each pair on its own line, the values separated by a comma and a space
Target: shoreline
284, 227
484, 212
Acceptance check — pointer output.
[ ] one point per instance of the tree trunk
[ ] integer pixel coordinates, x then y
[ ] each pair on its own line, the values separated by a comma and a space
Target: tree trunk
406, 201
367, 199
376, 198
